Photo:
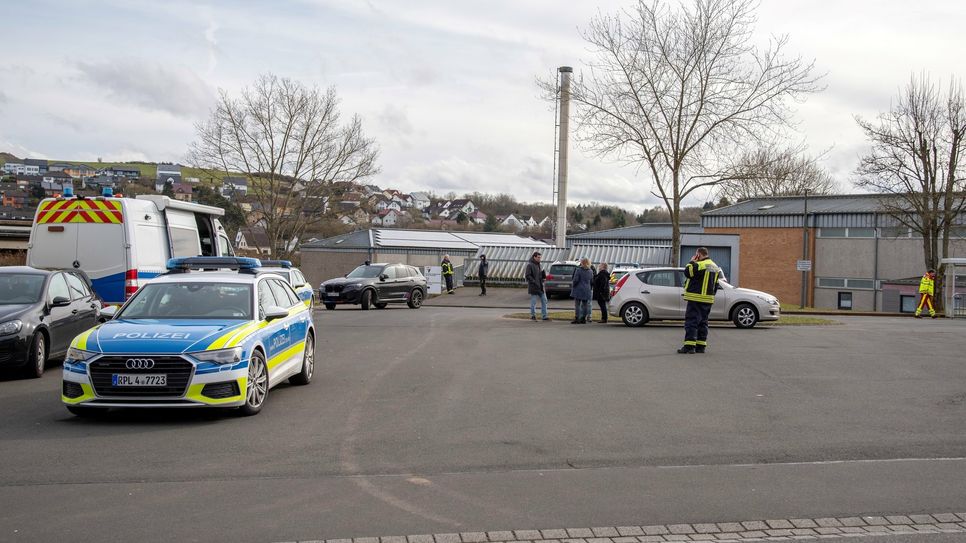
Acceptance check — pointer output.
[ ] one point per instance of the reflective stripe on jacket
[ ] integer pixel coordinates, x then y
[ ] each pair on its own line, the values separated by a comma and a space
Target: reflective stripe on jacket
702, 281
927, 285
447, 268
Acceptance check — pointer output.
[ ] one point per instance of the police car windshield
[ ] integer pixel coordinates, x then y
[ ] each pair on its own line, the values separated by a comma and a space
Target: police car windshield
365, 272
191, 301
20, 288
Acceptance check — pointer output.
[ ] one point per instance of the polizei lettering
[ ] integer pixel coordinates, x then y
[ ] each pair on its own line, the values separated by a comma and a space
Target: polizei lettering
152, 335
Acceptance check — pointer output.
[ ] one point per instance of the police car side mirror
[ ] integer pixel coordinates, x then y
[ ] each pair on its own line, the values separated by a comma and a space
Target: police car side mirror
59, 301
275, 313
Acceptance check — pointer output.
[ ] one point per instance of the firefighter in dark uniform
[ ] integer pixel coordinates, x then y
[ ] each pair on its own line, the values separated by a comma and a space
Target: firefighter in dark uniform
700, 285
448, 274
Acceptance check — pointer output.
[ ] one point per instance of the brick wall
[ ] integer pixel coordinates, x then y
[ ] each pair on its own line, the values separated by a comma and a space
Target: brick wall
768, 257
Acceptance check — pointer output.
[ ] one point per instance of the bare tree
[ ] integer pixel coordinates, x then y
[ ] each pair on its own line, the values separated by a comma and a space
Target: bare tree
290, 142
775, 171
915, 161
676, 89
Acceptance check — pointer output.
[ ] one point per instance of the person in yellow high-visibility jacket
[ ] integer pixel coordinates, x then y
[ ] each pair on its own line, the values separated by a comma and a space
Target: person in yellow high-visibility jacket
448, 274
927, 289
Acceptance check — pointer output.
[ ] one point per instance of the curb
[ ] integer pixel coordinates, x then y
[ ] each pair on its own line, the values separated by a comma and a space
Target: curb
718, 532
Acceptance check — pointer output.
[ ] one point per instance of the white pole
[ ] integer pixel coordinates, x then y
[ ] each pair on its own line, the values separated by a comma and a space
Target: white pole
560, 239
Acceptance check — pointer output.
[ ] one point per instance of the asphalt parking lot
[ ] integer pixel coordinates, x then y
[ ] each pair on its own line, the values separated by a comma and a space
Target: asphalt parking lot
449, 420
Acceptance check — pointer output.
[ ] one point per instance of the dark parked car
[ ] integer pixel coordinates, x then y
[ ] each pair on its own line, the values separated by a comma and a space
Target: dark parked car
376, 285
41, 311
559, 278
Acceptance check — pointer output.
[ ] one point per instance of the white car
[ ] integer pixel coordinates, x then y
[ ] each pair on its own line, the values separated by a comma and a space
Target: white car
658, 294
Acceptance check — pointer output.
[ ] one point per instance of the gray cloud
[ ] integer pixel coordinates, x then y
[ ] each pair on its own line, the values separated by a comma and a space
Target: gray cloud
395, 119
150, 85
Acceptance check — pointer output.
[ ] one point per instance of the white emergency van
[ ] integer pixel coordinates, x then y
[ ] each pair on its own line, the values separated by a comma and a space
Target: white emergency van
119, 242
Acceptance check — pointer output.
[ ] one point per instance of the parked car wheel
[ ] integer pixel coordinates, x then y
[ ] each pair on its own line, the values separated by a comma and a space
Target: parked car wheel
38, 356
304, 377
634, 314
330, 307
415, 299
744, 316
366, 299
257, 390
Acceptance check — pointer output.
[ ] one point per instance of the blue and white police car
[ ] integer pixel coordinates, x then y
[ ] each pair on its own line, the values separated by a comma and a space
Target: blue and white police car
213, 331
294, 277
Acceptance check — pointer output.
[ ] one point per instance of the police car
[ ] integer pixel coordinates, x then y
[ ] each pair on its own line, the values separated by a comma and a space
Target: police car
294, 277
213, 331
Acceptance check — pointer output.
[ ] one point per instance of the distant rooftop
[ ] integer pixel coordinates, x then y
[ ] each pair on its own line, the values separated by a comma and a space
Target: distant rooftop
658, 230
795, 205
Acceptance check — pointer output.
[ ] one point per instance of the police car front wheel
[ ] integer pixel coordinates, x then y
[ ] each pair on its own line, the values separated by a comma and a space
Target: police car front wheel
257, 389
304, 377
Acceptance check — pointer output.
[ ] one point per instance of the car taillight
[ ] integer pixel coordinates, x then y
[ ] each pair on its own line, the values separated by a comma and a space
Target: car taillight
620, 283
130, 283
549, 277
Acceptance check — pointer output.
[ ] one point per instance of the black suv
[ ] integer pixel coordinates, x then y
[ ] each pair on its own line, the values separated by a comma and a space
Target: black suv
376, 285
41, 311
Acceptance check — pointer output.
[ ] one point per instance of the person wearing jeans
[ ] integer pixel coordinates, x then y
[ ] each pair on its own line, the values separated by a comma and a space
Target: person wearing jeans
535, 277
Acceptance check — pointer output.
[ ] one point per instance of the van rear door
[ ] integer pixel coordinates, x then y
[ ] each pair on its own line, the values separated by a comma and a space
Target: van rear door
86, 234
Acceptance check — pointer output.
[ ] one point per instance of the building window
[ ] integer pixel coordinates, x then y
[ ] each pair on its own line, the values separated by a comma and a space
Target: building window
832, 232
846, 232
845, 300
868, 284
894, 232
838, 282
908, 303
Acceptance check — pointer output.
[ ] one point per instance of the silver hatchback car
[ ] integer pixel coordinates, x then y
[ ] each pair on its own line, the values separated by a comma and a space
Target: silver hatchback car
658, 294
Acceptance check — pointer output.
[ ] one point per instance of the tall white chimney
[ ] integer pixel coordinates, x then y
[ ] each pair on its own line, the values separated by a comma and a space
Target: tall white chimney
560, 240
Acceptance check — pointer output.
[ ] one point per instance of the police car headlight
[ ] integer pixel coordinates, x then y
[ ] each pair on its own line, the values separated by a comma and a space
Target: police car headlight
78, 355
10, 327
221, 356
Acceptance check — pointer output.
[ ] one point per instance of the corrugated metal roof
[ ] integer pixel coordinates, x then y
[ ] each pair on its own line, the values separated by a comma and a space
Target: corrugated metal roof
643, 255
507, 264
795, 205
637, 232
380, 238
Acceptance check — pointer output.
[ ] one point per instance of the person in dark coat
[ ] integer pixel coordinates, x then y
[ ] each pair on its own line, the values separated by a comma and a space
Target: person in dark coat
536, 277
602, 290
484, 272
582, 289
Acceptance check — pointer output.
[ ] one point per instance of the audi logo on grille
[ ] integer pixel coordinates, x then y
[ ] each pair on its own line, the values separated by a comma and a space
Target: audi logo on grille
139, 363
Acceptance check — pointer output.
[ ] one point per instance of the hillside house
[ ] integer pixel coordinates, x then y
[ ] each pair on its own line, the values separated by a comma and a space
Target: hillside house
388, 217
121, 171
232, 186
14, 168
79, 171
183, 191
477, 217
253, 239
420, 200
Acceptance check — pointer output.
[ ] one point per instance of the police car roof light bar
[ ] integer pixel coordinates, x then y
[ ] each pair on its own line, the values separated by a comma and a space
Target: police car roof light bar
183, 265
277, 263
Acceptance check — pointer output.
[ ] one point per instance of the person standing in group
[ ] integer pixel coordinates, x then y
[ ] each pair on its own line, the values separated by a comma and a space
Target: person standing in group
448, 274
536, 277
927, 289
484, 271
602, 290
581, 289
700, 284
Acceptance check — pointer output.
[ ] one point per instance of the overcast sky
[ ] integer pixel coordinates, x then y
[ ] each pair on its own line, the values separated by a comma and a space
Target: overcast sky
447, 88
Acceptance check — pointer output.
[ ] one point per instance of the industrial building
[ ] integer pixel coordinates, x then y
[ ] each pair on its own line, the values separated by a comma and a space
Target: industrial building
861, 257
